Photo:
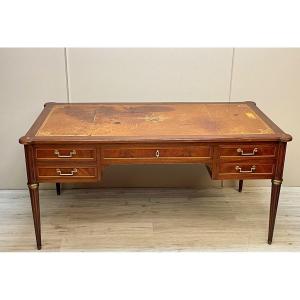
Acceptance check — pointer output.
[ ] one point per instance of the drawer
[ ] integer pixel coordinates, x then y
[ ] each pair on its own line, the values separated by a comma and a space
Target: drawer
63, 173
247, 150
65, 153
240, 170
156, 154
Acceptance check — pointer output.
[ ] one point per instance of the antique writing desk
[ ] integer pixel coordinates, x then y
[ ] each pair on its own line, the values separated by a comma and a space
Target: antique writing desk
75, 142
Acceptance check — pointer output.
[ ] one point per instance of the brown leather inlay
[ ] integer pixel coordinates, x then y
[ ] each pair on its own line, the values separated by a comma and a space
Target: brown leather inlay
163, 119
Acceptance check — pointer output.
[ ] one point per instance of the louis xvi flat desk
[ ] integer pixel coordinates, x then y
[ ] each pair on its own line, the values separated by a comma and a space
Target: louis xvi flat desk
71, 143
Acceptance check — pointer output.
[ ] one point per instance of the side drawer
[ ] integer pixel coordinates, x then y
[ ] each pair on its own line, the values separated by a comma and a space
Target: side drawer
65, 152
156, 154
246, 170
67, 173
248, 150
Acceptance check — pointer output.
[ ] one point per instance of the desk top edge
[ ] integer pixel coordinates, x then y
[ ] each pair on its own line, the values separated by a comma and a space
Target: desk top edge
31, 138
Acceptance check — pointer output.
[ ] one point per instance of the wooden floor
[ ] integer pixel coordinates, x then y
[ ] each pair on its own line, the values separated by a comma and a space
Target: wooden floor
218, 219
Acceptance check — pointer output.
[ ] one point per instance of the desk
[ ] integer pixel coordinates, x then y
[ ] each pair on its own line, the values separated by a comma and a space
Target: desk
71, 143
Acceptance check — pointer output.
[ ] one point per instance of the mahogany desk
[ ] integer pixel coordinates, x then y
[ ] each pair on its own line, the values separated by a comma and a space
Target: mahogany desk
75, 142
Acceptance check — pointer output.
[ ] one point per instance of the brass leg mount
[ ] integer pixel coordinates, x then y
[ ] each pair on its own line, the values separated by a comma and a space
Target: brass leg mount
33, 186
276, 182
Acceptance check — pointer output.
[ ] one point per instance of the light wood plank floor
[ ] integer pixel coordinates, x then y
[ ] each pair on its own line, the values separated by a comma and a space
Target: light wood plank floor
151, 219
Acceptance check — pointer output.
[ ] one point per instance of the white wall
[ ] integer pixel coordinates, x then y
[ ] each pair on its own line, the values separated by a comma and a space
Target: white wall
271, 77
30, 77
150, 75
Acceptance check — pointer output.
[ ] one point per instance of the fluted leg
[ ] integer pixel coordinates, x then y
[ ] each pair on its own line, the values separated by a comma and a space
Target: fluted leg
276, 185
241, 185
58, 188
35, 205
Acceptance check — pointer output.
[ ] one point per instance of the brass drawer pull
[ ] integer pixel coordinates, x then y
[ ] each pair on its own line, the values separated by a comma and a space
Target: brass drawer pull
157, 154
56, 152
252, 170
66, 174
239, 150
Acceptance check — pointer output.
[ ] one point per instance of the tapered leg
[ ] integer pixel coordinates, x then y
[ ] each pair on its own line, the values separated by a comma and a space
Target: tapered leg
35, 205
58, 188
241, 185
276, 185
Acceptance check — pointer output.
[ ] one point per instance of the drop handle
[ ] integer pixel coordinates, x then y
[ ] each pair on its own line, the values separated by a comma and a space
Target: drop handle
56, 152
239, 169
72, 172
239, 150
157, 153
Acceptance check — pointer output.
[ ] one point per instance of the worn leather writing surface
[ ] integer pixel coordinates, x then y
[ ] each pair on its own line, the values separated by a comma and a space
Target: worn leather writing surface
162, 119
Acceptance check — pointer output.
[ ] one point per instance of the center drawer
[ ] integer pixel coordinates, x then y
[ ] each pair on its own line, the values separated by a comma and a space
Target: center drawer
155, 154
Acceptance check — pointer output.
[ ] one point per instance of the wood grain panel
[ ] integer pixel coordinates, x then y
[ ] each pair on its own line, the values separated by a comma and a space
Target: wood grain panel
65, 153
156, 154
247, 170
248, 150
66, 174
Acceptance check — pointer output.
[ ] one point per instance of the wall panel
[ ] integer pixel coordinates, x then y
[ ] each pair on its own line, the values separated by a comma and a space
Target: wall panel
271, 78
151, 75
28, 79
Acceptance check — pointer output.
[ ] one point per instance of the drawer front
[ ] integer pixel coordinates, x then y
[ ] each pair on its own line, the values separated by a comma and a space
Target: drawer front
66, 173
65, 153
247, 150
249, 170
156, 154
246, 168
